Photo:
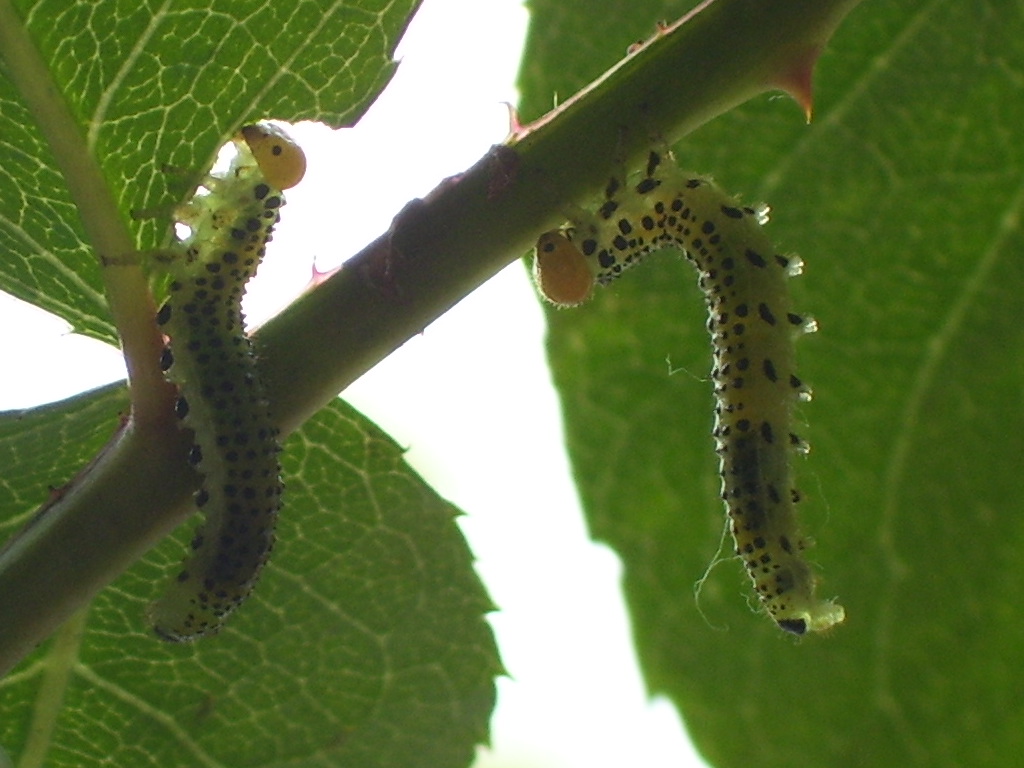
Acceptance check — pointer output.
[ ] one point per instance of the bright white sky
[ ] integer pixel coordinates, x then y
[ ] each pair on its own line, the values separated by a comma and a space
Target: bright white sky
575, 699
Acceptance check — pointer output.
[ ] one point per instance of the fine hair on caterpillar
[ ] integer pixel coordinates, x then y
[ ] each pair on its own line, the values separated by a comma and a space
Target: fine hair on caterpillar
220, 394
753, 328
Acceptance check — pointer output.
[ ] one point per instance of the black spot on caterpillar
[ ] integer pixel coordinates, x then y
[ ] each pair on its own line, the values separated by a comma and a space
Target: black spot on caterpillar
210, 360
752, 327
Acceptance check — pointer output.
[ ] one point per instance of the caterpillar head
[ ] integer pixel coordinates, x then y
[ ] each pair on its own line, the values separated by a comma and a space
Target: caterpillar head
561, 272
282, 162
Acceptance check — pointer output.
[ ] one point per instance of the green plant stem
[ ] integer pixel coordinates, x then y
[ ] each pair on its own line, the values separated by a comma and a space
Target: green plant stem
442, 248
437, 251
49, 701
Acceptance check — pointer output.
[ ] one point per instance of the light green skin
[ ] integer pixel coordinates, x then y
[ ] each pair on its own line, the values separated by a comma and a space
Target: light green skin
221, 399
753, 327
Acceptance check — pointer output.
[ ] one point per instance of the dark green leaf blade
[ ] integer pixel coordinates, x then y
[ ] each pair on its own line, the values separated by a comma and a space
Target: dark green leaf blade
904, 199
151, 88
365, 643
43, 447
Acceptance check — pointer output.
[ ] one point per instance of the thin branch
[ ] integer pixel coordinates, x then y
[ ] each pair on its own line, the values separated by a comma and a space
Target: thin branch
437, 251
128, 295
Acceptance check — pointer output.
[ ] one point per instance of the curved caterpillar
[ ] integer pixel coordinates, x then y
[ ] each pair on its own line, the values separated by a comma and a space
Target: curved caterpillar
210, 360
752, 330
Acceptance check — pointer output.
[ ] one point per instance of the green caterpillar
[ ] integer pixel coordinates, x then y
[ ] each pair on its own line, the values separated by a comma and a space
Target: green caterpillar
752, 327
221, 399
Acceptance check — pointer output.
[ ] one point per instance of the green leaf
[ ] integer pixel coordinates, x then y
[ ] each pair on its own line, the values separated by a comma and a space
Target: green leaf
364, 644
141, 88
904, 199
43, 447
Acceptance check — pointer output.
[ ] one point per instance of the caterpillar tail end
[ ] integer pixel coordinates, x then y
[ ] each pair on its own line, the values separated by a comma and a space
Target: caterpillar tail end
176, 620
169, 636
172, 625
819, 618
